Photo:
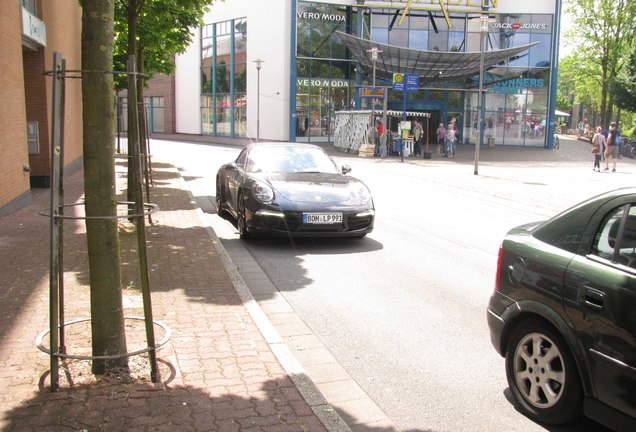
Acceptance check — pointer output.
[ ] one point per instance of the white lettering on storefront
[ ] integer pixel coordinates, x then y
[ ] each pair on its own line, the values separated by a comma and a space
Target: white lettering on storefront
317, 16
519, 26
321, 82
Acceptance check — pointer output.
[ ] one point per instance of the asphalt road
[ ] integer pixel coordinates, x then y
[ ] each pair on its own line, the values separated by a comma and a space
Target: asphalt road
403, 310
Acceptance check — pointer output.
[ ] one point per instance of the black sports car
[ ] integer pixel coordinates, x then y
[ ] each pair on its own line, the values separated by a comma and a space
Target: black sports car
292, 189
563, 313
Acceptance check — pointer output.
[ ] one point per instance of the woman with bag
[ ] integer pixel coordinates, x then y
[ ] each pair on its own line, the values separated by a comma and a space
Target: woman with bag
598, 142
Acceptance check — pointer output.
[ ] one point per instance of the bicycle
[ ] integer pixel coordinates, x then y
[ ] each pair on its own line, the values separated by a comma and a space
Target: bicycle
628, 147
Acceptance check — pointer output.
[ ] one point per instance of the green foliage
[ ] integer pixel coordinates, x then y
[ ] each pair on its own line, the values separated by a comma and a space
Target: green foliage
163, 29
623, 87
602, 33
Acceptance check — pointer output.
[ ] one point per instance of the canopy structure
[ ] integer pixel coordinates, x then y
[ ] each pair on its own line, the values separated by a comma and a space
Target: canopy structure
561, 113
433, 67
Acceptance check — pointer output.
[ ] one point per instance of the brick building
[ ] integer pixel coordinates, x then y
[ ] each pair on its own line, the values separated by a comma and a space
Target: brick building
159, 105
30, 32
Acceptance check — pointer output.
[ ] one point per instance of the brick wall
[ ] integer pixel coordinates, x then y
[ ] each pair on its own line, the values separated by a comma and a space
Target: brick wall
26, 95
163, 85
64, 31
14, 182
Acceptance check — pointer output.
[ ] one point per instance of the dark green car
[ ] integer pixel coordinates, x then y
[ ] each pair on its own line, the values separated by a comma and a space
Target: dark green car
563, 313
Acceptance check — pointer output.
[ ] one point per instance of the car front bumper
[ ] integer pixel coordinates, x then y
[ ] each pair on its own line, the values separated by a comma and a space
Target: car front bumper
290, 223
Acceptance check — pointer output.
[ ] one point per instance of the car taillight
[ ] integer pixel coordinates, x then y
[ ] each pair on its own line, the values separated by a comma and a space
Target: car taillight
497, 275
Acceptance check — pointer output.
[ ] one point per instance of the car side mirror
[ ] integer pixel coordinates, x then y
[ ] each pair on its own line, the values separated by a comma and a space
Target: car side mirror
346, 169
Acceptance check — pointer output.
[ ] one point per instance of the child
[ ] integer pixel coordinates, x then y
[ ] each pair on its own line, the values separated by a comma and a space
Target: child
598, 142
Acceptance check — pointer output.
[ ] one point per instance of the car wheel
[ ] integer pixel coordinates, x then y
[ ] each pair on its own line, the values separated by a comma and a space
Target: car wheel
220, 209
542, 374
241, 221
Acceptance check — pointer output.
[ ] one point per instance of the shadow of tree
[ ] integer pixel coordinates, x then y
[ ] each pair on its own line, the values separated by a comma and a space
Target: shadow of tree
274, 405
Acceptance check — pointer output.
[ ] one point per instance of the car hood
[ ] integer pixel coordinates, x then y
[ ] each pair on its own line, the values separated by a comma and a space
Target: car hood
312, 187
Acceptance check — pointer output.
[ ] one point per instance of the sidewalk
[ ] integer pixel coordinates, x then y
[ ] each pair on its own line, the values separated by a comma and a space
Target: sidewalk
219, 370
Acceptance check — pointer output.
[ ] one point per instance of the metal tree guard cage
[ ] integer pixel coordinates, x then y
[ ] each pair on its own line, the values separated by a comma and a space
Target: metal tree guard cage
56, 215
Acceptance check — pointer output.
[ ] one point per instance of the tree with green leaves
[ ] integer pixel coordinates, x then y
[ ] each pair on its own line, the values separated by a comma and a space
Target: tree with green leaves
602, 33
623, 88
107, 317
153, 31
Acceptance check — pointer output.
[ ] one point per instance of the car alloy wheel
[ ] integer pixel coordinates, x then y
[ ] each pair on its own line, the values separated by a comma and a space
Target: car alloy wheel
241, 222
542, 374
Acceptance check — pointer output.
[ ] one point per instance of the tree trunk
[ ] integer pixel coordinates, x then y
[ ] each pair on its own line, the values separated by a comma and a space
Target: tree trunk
104, 261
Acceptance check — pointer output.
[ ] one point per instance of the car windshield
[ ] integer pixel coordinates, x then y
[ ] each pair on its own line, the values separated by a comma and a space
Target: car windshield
289, 159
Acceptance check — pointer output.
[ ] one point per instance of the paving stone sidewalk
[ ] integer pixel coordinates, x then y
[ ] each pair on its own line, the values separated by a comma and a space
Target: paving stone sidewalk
218, 371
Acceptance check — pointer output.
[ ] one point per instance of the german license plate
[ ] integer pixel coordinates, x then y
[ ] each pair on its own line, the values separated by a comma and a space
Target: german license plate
322, 218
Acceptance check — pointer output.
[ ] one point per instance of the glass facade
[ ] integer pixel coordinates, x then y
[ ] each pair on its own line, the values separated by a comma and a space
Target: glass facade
223, 78
325, 76
517, 92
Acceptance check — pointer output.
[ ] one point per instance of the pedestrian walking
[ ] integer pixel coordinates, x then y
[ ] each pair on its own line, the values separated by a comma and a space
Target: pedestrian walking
441, 137
613, 142
418, 132
380, 131
598, 143
450, 141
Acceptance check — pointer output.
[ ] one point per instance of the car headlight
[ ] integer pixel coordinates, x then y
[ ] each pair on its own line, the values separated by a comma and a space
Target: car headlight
362, 192
263, 192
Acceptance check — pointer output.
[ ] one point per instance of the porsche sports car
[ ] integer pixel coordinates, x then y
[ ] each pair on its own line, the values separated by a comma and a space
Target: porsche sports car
291, 189
563, 313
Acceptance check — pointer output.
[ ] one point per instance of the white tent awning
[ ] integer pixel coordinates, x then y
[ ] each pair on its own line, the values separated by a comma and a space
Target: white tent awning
561, 113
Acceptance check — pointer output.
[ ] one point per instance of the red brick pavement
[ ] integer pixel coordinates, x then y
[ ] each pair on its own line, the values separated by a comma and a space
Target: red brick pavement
218, 372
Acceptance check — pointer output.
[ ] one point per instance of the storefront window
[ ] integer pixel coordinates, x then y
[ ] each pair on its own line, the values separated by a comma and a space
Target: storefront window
224, 78
399, 37
418, 39
454, 99
323, 73
516, 91
436, 95
540, 54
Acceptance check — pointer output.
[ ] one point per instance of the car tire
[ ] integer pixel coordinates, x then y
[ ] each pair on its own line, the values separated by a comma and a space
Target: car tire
241, 219
542, 374
220, 199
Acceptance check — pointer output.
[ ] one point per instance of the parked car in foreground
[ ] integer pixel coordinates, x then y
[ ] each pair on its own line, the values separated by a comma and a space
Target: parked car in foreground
563, 313
291, 189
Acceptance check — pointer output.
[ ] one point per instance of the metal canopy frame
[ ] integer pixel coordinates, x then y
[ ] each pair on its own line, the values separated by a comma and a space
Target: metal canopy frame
433, 67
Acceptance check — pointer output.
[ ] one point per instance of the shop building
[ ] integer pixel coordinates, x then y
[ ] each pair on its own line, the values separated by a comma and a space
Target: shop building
30, 32
309, 53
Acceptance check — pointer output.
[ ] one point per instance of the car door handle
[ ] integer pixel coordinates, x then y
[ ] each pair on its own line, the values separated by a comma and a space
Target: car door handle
593, 299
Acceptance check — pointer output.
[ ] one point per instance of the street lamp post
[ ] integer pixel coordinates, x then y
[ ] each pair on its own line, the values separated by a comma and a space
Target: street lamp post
483, 31
374, 59
258, 62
